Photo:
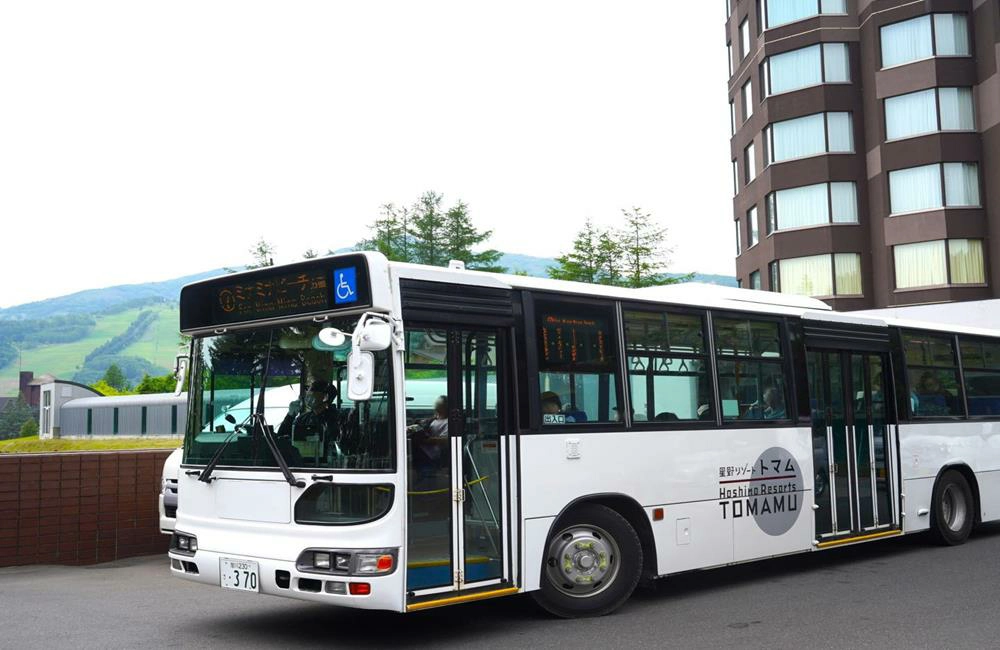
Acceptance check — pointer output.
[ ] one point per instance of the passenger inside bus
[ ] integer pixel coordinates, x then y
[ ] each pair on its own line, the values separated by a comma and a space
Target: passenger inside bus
430, 437
552, 409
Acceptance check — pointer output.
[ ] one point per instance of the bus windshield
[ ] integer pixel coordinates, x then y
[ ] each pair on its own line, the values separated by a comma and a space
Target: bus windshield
300, 382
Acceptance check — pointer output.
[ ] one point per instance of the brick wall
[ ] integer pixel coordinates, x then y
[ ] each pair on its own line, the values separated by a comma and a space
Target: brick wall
79, 508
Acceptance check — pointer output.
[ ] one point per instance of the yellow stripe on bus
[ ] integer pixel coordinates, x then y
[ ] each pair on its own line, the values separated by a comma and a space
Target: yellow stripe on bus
454, 600
861, 538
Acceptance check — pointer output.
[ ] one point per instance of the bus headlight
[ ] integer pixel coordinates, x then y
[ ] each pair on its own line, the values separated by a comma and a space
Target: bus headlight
348, 562
184, 543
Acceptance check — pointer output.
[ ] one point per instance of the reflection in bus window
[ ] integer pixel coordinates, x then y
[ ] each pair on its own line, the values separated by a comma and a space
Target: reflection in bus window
981, 363
751, 373
667, 367
577, 365
932, 371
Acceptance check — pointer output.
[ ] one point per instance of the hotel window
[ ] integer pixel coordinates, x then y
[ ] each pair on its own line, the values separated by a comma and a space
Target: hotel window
729, 50
780, 12
818, 275
808, 66
931, 187
736, 180
939, 263
809, 136
729, 10
929, 111
738, 246
744, 38
749, 164
924, 37
812, 205
746, 100
732, 117
753, 230
755, 280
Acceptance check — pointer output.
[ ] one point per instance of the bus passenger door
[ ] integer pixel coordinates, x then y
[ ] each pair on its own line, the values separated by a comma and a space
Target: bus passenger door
458, 511
852, 443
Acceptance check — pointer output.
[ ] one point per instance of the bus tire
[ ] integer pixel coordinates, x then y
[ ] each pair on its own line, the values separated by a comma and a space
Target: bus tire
952, 511
592, 563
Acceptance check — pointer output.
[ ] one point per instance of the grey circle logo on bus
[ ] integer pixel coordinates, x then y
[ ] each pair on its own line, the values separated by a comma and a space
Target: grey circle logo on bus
775, 497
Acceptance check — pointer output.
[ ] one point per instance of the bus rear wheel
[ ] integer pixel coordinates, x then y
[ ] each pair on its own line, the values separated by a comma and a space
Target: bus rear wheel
952, 513
592, 563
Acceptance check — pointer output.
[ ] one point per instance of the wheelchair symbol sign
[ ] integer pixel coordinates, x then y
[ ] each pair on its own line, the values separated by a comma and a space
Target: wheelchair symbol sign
345, 286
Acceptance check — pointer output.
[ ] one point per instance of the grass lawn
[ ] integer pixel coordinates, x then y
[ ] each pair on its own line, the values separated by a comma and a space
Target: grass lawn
32, 444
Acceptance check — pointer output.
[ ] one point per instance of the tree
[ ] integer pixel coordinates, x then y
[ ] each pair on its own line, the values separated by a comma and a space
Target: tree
581, 263
310, 254
631, 256
115, 378
645, 256
428, 231
29, 429
390, 234
608, 258
262, 254
13, 417
106, 389
463, 236
162, 384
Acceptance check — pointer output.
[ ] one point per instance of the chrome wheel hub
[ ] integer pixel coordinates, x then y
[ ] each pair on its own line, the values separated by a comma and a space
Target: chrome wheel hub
953, 508
582, 561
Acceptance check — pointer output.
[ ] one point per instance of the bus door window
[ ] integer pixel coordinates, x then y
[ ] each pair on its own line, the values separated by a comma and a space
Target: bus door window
751, 370
578, 365
428, 454
482, 508
667, 367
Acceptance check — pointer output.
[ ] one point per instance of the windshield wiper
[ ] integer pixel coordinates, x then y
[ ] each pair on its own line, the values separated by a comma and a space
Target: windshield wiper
261, 423
206, 474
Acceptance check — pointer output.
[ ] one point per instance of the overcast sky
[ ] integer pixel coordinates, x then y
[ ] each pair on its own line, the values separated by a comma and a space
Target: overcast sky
141, 141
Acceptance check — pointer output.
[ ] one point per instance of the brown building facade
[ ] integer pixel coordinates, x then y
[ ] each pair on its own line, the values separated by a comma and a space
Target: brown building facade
866, 148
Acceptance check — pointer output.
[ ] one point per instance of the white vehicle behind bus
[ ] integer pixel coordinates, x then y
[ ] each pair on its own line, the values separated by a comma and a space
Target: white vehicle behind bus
168, 491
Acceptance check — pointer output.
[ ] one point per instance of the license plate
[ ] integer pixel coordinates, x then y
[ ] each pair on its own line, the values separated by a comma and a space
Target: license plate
242, 575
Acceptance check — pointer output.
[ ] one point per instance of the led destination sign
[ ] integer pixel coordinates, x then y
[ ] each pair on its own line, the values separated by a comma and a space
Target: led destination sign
300, 289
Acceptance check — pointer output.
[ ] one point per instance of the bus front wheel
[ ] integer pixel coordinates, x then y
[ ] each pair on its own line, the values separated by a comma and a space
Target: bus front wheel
952, 514
592, 563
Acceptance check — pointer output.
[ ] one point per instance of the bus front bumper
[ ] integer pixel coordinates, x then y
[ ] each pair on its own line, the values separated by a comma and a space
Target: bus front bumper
385, 592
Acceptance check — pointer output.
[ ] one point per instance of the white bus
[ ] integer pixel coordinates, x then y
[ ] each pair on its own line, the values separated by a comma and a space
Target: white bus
390, 436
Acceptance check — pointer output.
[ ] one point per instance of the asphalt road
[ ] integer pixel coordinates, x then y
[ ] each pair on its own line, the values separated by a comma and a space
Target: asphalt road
896, 593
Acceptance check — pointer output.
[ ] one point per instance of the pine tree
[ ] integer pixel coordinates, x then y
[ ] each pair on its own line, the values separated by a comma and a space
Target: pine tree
389, 234
115, 378
644, 255
608, 259
428, 231
463, 236
580, 264
262, 254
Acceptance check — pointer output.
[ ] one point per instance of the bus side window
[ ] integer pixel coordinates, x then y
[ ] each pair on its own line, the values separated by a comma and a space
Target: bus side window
578, 370
667, 367
751, 372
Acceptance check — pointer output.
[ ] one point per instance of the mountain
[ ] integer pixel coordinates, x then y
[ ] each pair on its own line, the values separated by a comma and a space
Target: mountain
92, 301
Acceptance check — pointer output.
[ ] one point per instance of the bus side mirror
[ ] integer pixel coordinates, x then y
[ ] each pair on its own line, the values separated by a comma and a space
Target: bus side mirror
180, 370
360, 375
375, 336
